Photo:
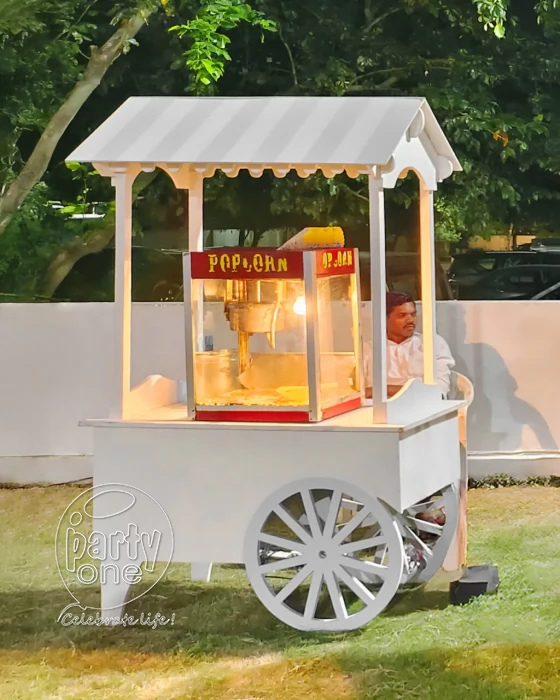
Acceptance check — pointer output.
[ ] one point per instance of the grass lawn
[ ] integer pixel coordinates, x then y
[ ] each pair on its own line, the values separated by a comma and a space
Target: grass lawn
225, 646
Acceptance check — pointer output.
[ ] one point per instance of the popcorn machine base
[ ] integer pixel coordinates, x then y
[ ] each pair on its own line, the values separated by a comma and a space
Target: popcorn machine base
326, 517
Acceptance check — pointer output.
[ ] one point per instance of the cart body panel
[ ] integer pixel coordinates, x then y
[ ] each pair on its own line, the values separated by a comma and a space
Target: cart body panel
210, 481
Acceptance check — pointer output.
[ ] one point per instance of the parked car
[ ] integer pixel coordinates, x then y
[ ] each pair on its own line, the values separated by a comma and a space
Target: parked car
403, 275
475, 263
95, 210
469, 268
519, 282
157, 275
551, 245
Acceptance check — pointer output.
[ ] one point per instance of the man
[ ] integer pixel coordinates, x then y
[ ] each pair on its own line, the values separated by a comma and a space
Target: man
405, 356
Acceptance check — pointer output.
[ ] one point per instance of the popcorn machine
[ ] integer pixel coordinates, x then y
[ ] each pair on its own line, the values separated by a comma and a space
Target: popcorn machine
272, 335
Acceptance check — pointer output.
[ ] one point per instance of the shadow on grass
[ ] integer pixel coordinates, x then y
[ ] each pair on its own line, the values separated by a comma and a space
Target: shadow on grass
495, 672
218, 617
407, 602
209, 618
224, 620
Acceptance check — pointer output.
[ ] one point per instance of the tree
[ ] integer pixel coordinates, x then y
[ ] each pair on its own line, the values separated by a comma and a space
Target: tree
99, 61
492, 96
206, 56
489, 82
50, 41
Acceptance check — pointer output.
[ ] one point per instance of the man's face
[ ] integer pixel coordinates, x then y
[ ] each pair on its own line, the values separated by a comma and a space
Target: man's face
401, 322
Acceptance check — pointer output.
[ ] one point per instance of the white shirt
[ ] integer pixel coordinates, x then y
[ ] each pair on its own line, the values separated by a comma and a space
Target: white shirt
406, 361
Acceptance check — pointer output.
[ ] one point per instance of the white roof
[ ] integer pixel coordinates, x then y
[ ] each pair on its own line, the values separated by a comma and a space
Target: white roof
260, 130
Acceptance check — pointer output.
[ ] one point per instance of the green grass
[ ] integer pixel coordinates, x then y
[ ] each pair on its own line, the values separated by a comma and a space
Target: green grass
225, 646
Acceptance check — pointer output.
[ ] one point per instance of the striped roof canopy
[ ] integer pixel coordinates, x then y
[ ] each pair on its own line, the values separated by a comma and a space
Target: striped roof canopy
281, 133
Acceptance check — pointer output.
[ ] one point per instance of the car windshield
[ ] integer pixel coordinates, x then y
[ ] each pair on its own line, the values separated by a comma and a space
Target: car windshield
478, 263
472, 263
488, 262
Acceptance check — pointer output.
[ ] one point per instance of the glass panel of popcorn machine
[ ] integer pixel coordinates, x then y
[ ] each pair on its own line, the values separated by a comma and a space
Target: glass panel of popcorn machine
339, 341
254, 351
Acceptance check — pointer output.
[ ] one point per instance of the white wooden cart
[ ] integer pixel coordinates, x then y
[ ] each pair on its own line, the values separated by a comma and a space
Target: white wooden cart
360, 478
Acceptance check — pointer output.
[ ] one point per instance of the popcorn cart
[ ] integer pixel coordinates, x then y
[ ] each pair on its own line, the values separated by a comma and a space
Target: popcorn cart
265, 452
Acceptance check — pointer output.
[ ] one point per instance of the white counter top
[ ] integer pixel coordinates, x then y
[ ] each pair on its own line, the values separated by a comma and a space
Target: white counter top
361, 419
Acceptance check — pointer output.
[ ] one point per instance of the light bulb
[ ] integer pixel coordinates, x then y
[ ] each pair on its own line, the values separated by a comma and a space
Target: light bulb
299, 306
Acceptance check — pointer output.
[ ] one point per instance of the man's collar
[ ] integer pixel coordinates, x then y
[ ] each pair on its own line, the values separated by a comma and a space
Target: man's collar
408, 340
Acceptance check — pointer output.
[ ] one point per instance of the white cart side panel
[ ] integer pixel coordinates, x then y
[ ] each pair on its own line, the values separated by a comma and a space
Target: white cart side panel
429, 459
210, 483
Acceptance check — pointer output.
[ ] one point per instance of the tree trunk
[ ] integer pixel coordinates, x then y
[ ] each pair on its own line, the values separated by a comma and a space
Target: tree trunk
99, 63
92, 241
257, 235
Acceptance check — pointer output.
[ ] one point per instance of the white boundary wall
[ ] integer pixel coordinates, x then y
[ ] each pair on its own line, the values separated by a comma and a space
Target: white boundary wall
56, 369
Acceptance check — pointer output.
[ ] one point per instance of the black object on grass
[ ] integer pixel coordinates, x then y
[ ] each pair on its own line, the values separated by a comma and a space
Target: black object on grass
475, 581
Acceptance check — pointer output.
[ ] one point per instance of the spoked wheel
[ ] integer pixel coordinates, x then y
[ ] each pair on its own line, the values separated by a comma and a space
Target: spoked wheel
316, 567
427, 529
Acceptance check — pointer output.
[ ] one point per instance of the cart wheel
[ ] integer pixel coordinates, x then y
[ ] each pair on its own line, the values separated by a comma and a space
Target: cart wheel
325, 574
426, 543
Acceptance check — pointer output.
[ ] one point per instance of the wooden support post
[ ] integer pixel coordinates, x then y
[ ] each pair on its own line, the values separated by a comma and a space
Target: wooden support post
378, 298
122, 183
428, 277
196, 244
200, 571
196, 213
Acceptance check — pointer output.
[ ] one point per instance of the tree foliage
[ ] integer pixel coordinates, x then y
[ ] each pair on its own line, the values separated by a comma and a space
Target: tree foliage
57, 54
487, 67
207, 54
76, 25
493, 98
